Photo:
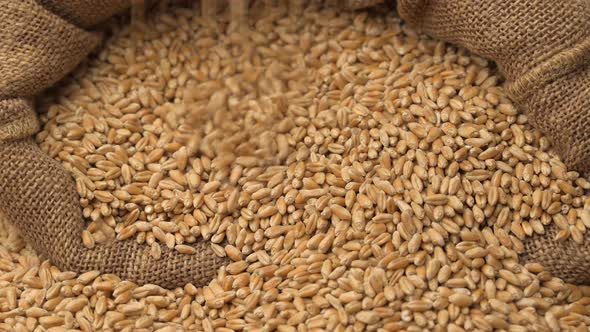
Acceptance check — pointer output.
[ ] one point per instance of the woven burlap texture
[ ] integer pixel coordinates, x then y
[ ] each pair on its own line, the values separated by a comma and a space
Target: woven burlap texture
37, 48
46, 208
17, 119
542, 47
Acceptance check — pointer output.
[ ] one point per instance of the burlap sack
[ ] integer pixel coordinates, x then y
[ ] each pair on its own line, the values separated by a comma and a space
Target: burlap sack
542, 47
37, 48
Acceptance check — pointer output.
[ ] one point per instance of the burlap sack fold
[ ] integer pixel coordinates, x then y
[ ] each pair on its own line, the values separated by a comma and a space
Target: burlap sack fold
37, 48
38, 195
543, 49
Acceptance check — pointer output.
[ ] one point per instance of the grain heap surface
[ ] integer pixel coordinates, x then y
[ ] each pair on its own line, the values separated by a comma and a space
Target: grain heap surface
360, 176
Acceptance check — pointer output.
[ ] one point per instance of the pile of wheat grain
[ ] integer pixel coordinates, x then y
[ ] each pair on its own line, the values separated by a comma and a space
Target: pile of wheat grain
361, 176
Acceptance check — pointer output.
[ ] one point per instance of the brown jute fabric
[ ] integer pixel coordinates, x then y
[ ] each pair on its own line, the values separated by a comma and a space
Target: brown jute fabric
37, 48
543, 48
37, 194
17, 119
566, 259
